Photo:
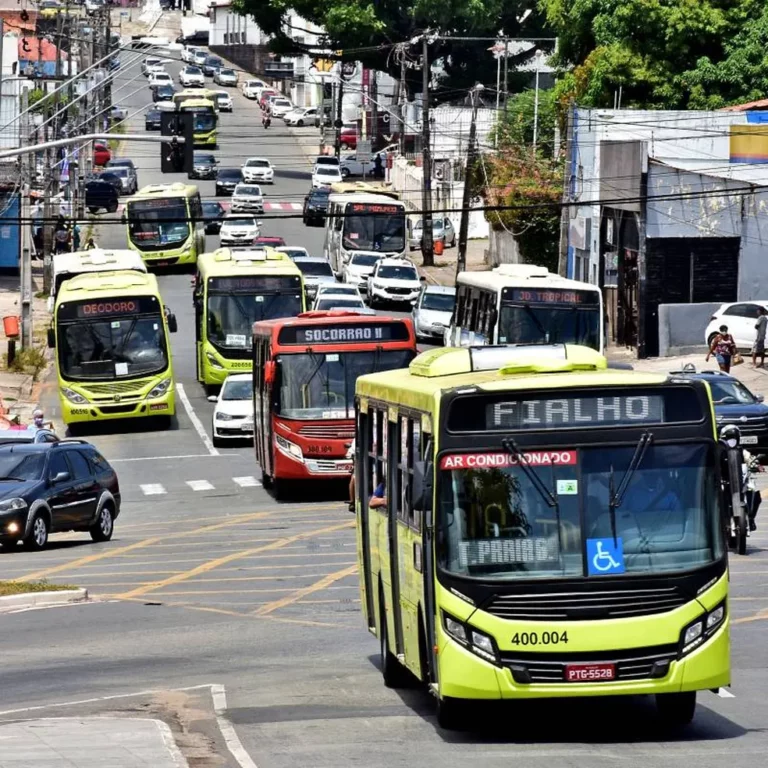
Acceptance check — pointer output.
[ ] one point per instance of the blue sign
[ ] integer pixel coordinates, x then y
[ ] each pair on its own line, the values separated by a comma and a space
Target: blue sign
605, 556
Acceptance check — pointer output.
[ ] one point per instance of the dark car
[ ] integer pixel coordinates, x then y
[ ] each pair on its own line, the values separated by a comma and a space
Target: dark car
204, 166
53, 487
110, 178
152, 120
270, 241
226, 180
315, 207
211, 64
99, 194
735, 404
213, 214
163, 93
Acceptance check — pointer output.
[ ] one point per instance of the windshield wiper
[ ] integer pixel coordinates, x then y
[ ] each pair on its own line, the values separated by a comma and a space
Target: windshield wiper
11, 477
616, 498
529, 311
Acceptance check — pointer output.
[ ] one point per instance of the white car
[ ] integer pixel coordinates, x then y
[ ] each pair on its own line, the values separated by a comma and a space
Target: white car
324, 176
740, 317
248, 198
304, 116
280, 107
150, 61
339, 289
188, 54
199, 58
326, 160
393, 280
191, 76
357, 270
293, 251
432, 312
252, 88
258, 169
225, 76
160, 78
239, 229
233, 414
328, 301
351, 166
224, 101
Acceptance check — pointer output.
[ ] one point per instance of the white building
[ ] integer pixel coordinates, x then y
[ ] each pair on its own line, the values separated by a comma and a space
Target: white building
9, 93
231, 28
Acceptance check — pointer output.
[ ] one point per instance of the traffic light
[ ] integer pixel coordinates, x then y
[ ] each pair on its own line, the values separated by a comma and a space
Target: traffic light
174, 156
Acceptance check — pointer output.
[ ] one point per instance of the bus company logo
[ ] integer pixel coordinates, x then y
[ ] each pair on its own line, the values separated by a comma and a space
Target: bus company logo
117, 398
108, 308
496, 460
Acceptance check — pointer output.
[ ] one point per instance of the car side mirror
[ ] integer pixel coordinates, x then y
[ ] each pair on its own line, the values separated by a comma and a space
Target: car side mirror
269, 372
51, 338
60, 477
173, 326
213, 398
414, 302
760, 398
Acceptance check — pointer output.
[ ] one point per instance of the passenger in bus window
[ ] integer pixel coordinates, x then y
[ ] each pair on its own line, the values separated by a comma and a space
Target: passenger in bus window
379, 498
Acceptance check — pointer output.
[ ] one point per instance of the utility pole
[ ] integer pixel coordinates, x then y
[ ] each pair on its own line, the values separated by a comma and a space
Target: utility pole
565, 213
506, 75
402, 100
25, 262
427, 243
461, 261
339, 112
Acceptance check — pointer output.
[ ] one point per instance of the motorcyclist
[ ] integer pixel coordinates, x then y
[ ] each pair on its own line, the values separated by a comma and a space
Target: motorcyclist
749, 466
38, 418
266, 116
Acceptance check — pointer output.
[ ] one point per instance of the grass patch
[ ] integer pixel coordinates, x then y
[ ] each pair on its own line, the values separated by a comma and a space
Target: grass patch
118, 130
30, 361
24, 587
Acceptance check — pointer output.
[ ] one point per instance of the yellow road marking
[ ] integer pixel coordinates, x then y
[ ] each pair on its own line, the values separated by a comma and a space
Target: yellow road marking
761, 615
323, 583
44, 573
213, 564
224, 579
269, 591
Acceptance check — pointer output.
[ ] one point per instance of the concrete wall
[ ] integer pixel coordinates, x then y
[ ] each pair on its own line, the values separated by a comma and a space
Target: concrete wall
502, 248
682, 326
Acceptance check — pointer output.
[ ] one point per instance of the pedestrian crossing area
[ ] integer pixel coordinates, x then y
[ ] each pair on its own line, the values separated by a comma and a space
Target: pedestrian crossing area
198, 486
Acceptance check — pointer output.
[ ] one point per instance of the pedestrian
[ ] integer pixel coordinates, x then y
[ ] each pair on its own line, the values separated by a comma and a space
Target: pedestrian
76, 237
378, 167
758, 350
723, 348
61, 236
90, 244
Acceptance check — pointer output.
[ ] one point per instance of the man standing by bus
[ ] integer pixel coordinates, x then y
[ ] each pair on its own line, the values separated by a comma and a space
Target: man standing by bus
758, 350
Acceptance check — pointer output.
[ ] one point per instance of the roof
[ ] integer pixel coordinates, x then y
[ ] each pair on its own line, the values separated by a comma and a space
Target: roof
98, 260
447, 290
363, 197
228, 261
746, 107
520, 274
158, 190
102, 284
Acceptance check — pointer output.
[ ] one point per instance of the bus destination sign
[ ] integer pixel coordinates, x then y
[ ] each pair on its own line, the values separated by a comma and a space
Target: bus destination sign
389, 210
253, 284
95, 310
551, 296
343, 333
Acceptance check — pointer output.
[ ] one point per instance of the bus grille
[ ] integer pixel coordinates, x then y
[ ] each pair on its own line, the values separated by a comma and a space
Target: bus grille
328, 433
117, 408
581, 606
115, 387
631, 664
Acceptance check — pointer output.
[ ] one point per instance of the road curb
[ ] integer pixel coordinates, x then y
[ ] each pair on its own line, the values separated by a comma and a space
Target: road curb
40, 599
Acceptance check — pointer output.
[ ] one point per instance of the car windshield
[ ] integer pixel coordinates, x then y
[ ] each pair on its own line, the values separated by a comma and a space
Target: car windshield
21, 466
294, 253
230, 174
204, 159
257, 163
222, 95
320, 196
364, 260
437, 225
397, 273
119, 347
327, 160
240, 221
730, 393
494, 523
327, 170
122, 172
374, 227
212, 209
282, 103
248, 190
193, 71
157, 224
238, 389
322, 386
212, 61
330, 302
549, 324
315, 268
339, 290
231, 315
227, 72
439, 302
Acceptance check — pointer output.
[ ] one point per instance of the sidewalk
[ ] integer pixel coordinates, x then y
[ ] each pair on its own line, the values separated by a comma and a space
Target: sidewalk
89, 743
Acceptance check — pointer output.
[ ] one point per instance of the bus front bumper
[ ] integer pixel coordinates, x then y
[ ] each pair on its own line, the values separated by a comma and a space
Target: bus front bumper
463, 675
217, 368
310, 467
73, 413
185, 255
205, 139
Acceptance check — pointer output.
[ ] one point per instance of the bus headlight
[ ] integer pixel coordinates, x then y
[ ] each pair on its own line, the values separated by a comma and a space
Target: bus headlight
702, 629
472, 639
73, 397
288, 448
160, 389
214, 362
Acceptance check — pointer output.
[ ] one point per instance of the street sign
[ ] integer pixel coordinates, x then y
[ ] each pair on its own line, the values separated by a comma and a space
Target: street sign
363, 151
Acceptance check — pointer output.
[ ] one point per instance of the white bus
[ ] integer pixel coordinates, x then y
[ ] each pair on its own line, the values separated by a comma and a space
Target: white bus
363, 224
67, 265
525, 304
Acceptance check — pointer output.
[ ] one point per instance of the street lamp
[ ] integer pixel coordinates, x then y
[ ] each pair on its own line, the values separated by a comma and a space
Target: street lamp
538, 57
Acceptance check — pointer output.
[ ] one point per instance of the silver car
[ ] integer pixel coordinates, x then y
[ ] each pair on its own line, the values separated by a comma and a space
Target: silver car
432, 312
317, 272
225, 77
442, 229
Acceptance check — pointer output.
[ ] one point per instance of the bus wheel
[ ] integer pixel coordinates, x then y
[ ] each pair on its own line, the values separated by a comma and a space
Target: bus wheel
676, 709
741, 535
449, 714
393, 672
279, 489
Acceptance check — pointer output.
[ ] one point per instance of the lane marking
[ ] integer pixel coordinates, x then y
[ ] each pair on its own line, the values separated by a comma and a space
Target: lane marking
165, 458
166, 734
152, 489
200, 485
196, 423
213, 564
724, 693
266, 591
247, 482
319, 585
232, 740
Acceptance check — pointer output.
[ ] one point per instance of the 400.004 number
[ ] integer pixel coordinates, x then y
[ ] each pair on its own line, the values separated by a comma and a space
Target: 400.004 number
543, 638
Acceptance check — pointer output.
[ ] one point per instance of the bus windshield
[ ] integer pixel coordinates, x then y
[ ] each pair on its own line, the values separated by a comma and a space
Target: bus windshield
495, 523
374, 227
549, 324
205, 117
113, 348
157, 224
314, 385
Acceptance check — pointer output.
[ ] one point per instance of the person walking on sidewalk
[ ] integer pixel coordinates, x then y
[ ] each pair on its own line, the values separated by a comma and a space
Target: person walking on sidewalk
61, 236
758, 350
723, 348
76, 237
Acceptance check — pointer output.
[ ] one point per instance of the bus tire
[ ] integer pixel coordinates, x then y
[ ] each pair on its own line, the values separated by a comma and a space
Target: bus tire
393, 672
449, 714
279, 489
112, 207
676, 709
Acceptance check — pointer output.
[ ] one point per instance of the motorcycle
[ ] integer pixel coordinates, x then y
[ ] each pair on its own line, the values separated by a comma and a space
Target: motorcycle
744, 497
266, 121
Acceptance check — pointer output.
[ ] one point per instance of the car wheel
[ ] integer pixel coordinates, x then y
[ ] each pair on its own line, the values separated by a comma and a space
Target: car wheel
38, 533
299, 122
104, 526
345, 173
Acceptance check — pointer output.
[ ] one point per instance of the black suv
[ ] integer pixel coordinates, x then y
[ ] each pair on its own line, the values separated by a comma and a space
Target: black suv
315, 207
100, 194
53, 487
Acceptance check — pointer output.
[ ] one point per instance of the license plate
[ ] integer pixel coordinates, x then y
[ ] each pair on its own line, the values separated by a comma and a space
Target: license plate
345, 467
749, 439
162, 263
587, 673
247, 426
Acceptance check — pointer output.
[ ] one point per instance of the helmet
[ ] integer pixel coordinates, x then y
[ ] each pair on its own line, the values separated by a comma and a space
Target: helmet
37, 413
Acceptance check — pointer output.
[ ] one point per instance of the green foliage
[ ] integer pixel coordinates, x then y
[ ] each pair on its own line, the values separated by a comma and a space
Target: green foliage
665, 54
517, 129
31, 360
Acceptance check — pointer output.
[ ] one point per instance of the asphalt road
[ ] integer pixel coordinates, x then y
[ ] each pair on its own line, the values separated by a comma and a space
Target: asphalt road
209, 580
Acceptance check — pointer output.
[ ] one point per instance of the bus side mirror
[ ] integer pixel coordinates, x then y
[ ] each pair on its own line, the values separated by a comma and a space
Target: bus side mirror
422, 486
173, 326
51, 338
269, 372
494, 317
338, 224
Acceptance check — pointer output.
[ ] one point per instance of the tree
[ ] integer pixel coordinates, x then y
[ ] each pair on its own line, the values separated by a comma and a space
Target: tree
663, 54
517, 128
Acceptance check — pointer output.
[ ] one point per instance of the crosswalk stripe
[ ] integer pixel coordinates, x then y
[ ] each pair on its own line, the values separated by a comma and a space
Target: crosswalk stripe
200, 485
247, 482
152, 489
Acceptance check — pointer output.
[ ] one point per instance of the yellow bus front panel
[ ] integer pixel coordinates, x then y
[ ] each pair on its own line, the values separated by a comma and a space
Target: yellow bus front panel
185, 254
206, 138
214, 367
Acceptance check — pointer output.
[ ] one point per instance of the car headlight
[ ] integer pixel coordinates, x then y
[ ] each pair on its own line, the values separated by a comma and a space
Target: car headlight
224, 417
288, 448
702, 629
12, 505
160, 389
73, 397
213, 361
472, 639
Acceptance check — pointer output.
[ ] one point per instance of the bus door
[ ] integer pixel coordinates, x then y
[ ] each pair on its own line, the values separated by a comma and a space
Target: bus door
262, 398
198, 299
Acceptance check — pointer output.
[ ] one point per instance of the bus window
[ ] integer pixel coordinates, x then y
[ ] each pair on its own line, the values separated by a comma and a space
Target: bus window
377, 465
409, 452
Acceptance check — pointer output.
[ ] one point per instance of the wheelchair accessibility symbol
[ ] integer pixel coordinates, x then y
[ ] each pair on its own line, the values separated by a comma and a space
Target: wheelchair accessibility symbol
605, 556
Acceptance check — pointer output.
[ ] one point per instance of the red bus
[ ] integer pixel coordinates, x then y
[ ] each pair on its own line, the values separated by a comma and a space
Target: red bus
304, 374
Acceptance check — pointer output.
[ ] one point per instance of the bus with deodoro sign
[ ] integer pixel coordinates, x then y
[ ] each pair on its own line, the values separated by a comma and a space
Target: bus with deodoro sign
305, 370
113, 355
540, 536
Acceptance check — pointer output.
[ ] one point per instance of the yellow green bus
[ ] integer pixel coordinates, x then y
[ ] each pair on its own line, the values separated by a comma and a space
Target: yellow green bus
234, 288
194, 94
532, 524
113, 352
206, 120
165, 224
